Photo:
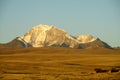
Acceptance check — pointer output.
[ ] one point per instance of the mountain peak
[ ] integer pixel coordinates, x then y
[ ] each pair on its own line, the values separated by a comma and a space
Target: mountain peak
86, 38
42, 27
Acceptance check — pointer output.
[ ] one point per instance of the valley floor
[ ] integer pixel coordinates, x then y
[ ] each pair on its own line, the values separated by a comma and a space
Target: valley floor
58, 64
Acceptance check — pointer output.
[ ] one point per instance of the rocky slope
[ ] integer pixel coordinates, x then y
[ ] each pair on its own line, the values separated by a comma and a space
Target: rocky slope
17, 42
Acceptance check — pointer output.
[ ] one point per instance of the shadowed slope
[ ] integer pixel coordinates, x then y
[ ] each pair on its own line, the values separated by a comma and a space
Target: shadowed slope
96, 44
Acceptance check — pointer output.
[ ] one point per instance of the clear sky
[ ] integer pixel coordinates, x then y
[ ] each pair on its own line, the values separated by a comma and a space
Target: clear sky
100, 18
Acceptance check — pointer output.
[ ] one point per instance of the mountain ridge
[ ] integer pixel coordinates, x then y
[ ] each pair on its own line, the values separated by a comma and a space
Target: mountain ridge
49, 35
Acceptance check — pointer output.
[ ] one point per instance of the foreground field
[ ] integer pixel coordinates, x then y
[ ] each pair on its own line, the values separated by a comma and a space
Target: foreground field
58, 64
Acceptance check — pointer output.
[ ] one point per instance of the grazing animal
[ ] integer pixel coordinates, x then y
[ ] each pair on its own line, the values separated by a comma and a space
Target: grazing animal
114, 70
99, 70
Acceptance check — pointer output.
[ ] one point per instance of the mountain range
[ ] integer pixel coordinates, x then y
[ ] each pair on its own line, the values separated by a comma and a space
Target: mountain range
49, 35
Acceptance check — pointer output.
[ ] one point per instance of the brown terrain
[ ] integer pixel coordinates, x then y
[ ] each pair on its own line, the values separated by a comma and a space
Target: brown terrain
55, 63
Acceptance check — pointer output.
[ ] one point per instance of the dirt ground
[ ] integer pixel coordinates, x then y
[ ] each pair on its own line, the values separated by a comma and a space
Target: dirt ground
54, 63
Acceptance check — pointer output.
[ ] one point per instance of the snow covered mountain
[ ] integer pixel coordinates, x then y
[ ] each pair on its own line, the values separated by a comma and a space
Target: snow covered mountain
45, 35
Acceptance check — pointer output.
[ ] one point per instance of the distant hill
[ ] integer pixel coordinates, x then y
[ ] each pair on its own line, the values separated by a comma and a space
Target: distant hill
16, 43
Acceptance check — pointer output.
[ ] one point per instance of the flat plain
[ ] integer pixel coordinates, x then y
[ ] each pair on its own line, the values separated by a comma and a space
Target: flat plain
55, 63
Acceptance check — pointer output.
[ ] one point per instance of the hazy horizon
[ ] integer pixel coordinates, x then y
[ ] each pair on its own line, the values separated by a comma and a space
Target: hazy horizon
100, 18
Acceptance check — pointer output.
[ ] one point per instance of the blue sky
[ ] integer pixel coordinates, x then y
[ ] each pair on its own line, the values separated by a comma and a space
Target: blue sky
100, 18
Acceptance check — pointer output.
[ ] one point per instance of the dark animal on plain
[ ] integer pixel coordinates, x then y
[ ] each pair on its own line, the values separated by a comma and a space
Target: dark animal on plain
99, 70
114, 70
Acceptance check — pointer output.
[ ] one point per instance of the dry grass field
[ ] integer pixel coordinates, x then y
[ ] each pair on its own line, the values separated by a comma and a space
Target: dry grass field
59, 64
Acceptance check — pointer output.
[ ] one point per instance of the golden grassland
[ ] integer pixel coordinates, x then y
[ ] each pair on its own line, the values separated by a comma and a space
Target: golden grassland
54, 63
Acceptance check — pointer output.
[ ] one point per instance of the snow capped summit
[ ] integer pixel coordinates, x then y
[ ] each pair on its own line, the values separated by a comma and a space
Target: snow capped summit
37, 35
86, 38
44, 35
42, 27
